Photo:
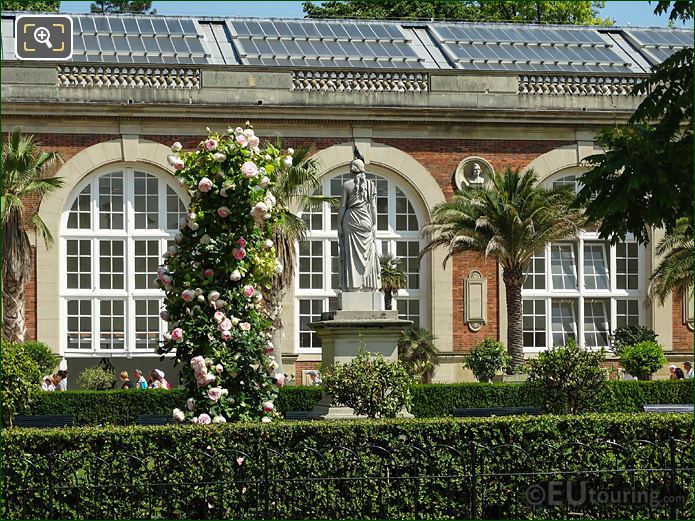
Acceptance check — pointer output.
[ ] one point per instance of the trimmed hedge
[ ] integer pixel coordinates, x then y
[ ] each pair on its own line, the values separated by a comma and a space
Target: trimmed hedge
221, 471
429, 400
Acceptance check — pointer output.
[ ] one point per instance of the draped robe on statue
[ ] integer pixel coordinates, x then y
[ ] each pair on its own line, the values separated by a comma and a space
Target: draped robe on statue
359, 262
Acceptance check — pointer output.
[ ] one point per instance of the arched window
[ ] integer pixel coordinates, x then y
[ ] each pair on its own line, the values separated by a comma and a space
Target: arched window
113, 235
582, 289
398, 227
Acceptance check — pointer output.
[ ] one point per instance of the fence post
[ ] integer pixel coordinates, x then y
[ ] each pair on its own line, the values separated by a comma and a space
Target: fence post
672, 487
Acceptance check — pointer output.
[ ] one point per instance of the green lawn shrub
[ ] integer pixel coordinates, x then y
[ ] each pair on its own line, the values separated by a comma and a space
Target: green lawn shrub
220, 471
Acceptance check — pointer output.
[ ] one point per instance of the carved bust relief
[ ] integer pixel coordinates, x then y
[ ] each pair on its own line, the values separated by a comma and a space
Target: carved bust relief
473, 172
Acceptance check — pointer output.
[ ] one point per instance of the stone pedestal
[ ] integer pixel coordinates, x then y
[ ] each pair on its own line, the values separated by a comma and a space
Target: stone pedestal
341, 333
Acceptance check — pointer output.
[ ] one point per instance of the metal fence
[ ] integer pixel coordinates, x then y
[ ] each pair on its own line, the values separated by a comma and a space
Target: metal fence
537, 480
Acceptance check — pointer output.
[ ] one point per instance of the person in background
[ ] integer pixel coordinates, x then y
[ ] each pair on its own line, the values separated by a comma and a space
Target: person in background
672, 370
140, 382
159, 381
47, 383
679, 374
315, 377
125, 381
688, 368
63, 386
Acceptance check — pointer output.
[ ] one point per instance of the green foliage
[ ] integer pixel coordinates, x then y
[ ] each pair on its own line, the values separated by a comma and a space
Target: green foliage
172, 455
642, 359
566, 12
122, 407
486, 358
630, 335
372, 386
43, 355
675, 272
418, 353
214, 278
122, 7
508, 221
19, 378
393, 278
96, 379
644, 178
573, 379
46, 6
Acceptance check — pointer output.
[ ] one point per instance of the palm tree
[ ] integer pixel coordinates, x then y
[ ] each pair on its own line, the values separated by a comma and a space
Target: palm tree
25, 174
507, 220
393, 278
676, 271
298, 186
416, 350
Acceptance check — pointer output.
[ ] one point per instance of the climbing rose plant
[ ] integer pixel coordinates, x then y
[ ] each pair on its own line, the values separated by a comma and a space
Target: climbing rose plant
213, 278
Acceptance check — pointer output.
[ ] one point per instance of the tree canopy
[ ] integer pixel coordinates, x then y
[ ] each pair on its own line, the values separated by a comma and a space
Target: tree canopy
645, 177
122, 6
569, 12
45, 6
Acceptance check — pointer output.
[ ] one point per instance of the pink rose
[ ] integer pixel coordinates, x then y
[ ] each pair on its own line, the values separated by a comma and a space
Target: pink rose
244, 326
178, 164
241, 140
219, 316
225, 325
223, 211
270, 347
210, 144
239, 253
254, 141
203, 419
280, 379
213, 296
198, 363
239, 130
205, 380
249, 290
188, 295
177, 335
215, 394
219, 368
249, 169
268, 406
226, 335
164, 315
265, 181
219, 304
209, 272
166, 279
204, 185
241, 242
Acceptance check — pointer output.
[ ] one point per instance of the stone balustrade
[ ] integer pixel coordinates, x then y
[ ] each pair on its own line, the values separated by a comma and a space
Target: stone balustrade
576, 85
128, 77
339, 81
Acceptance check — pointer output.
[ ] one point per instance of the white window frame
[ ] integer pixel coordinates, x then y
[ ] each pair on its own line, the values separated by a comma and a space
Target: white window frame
384, 238
130, 294
580, 294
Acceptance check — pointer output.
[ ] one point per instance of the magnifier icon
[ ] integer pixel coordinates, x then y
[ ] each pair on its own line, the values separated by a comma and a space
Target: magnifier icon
43, 35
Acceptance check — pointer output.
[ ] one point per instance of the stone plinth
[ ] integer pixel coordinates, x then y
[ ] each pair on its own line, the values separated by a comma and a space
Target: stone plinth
341, 333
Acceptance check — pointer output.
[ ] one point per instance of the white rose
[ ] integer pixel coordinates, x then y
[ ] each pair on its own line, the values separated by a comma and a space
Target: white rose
290, 151
278, 267
235, 276
266, 419
248, 133
176, 147
267, 244
193, 226
219, 157
219, 419
190, 404
172, 159
205, 239
179, 416
288, 161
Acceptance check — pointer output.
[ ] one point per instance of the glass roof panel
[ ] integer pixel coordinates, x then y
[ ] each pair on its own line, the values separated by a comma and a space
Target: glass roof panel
240, 28
117, 26
160, 26
106, 43
195, 45
131, 26
174, 26
136, 44
339, 30
165, 45
121, 44
268, 29
311, 30
150, 44
353, 31
296, 29
180, 45
188, 26
146, 26
87, 23
90, 43
102, 24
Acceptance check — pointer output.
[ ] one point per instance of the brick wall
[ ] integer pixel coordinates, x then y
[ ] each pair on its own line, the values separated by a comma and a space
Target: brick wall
303, 366
682, 335
30, 300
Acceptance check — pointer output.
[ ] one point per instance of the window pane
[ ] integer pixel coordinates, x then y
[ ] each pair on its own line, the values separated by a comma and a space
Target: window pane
406, 219
147, 323
112, 324
146, 263
146, 201
534, 323
409, 309
309, 311
111, 201
564, 321
595, 266
626, 263
79, 264
627, 313
563, 265
176, 210
565, 182
311, 265
335, 266
596, 325
111, 264
80, 216
407, 252
79, 330
535, 276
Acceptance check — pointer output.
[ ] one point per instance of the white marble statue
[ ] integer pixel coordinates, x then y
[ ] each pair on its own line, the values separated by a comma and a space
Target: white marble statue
359, 262
477, 178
